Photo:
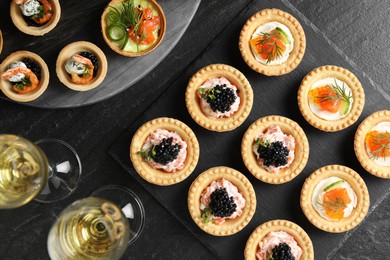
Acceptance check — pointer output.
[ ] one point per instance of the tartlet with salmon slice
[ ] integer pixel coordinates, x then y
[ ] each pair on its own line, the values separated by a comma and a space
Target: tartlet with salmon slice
372, 144
277, 238
275, 149
272, 42
335, 198
133, 27
164, 151
24, 76
35, 17
219, 97
331, 98
81, 66
221, 201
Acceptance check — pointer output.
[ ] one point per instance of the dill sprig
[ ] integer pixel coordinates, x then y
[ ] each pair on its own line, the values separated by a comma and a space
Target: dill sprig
334, 205
23, 82
338, 93
274, 51
130, 17
383, 141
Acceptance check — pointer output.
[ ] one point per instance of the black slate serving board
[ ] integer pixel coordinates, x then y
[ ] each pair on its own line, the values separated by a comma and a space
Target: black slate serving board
80, 20
272, 96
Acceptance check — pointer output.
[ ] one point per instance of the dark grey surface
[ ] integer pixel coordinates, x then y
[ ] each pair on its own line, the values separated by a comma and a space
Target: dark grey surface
122, 72
274, 202
91, 131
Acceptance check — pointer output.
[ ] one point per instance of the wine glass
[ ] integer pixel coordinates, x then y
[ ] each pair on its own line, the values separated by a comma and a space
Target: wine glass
130, 205
91, 228
48, 170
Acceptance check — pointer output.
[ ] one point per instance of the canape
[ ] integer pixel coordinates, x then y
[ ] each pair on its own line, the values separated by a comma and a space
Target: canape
331, 98
221, 201
164, 151
1, 42
275, 238
275, 149
219, 97
272, 42
372, 144
35, 17
81, 66
335, 198
24, 76
133, 27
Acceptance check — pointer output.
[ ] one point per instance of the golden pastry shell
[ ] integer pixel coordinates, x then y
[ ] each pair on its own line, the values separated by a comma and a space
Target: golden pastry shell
118, 50
160, 177
17, 19
231, 226
342, 74
357, 184
266, 16
74, 48
300, 236
6, 86
288, 127
236, 78
360, 147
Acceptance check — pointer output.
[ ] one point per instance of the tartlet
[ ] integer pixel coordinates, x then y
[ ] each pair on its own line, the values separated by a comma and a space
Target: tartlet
7, 87
354, 181
160, 30
300, 236
344, 95
156, 176
75, 48
236, 78
21, 24
281, 19
245, 188
366, 158
288, 127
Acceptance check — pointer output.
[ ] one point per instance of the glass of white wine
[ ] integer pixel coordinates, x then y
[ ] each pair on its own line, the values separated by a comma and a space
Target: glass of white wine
91, 228
48, 170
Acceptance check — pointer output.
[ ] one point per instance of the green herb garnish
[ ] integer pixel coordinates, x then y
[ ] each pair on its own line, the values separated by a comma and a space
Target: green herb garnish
128, 17
208, 92
23, 82
147, 154
383, 141
338, 94
206, 215
274, 51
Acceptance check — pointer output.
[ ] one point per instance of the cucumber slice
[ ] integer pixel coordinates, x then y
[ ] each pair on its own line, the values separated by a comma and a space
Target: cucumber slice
344, 107
333, 184
283, 36
113, 16
116, 32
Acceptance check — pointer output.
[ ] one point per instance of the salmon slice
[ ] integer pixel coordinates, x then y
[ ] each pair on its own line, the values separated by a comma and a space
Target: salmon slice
269, 45
378, 143
325, 98
334, 203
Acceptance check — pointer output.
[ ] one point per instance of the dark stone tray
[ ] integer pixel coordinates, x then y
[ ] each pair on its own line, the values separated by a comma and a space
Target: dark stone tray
81, 21
272, 96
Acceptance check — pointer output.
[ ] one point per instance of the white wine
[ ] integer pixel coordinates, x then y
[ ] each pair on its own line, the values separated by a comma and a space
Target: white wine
91, 228
23, 171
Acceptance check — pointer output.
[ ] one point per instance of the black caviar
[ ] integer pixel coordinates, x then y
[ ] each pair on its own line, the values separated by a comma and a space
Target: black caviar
220, 203
33, 66
165, 152
31, 22
221, 98
282, 252
273, 153
93, 59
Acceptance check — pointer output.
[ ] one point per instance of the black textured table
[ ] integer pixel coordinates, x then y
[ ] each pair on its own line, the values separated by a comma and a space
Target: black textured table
355, 33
